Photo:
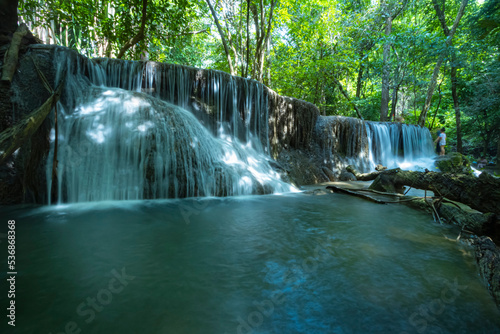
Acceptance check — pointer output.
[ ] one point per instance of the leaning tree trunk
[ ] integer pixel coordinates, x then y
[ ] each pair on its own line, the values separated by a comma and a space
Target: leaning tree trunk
432, 85
386, 71
481, 193
456, 105
222, 36
498, 155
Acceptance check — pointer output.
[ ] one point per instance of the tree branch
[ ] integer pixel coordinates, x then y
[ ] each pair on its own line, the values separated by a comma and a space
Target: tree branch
140, 34
441, 17
221, 32
12, 55
347, 97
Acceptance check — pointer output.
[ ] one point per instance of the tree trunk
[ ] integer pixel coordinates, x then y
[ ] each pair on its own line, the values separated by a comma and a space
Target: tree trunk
359, 81
12, 55
456, 106
394, 102
437, 107
432, 84
265, 41
453, 74
342, 90
140, 34
223, 38
386, 71
8, 16
430, 91
497, 168
14, 137
481, 193
248, 41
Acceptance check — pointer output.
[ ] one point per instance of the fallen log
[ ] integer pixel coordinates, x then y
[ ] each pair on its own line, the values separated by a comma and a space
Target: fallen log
363, 177
480, 193
354, 193
399, 198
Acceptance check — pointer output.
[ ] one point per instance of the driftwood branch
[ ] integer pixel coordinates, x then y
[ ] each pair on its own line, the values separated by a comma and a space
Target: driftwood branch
12, 55
354, 193
362, 177
14, 137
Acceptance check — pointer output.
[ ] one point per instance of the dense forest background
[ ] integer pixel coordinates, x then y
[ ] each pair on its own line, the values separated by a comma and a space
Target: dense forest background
429, 62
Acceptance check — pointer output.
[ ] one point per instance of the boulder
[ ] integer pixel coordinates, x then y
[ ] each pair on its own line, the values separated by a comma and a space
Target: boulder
455, 163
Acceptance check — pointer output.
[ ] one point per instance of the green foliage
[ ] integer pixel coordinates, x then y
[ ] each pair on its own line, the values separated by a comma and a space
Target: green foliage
98, 28
328, 52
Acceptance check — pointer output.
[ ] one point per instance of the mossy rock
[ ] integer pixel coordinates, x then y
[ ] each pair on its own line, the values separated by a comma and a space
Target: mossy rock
455, 163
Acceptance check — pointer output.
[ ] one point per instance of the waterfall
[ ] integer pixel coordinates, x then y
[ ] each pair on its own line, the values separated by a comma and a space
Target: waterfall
135, 130
399, 145
364, 144
145, 130
225, 104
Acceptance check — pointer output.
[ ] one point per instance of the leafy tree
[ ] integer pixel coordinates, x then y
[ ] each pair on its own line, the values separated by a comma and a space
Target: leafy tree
432, 84
245, 34
369, 59
122, 28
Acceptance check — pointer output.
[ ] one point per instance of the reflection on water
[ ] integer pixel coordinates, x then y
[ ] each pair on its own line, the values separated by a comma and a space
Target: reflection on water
266, 264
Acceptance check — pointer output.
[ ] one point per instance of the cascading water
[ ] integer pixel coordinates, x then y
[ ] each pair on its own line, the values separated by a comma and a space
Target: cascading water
399, 145
225, 104
121, 137
118, 139
364, 144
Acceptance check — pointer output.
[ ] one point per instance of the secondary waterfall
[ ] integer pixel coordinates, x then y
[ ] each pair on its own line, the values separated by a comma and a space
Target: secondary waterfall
364, 144
399, 145
119, 138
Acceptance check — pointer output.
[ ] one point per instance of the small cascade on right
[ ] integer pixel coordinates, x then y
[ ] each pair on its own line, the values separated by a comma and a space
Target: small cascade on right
408, 147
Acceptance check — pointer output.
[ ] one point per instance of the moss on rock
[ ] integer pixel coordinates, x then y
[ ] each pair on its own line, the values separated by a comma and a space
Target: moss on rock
455, 163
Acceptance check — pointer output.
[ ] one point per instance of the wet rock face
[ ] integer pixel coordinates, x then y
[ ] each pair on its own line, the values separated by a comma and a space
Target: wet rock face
302, 167
244, 109
310, 147
488, 260
291, 123
22, 177
455, 163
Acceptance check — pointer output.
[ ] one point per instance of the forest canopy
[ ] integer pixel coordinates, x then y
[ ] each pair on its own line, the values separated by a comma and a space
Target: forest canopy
429, 62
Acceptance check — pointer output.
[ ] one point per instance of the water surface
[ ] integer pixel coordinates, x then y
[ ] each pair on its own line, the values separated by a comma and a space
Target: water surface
256, 264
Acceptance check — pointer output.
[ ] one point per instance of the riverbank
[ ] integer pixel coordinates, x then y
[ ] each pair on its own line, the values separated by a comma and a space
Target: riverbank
479, 231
